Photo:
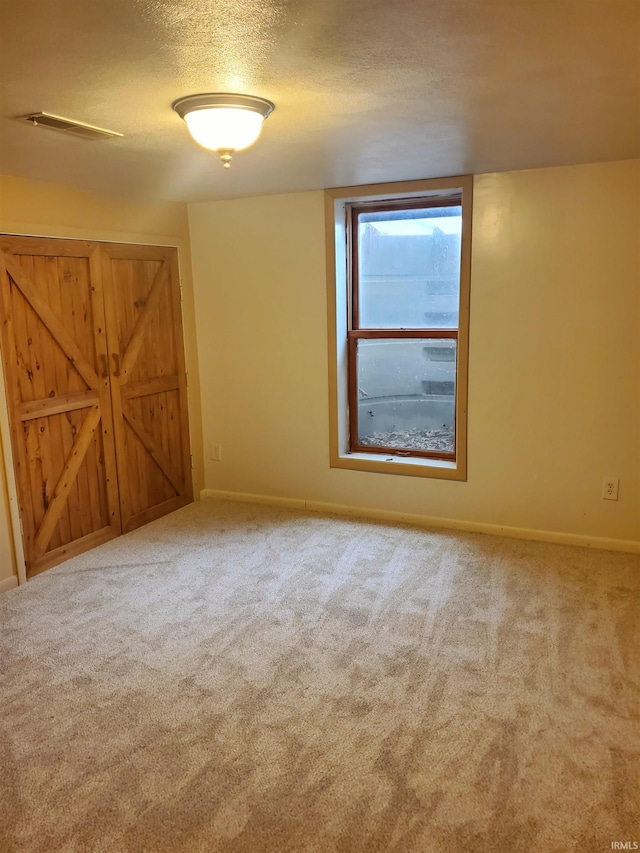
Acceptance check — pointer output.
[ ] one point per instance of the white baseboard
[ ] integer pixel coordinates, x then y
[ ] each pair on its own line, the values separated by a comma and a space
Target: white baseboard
244, 497
552, 536
8, 583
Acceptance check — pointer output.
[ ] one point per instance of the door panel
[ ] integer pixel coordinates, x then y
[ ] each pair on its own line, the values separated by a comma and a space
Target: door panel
55, 361
148, 381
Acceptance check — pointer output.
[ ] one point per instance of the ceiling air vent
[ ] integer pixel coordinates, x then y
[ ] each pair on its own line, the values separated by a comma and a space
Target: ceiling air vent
68, 125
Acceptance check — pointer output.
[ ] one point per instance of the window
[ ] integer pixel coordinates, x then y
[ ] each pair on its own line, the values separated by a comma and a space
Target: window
399, 258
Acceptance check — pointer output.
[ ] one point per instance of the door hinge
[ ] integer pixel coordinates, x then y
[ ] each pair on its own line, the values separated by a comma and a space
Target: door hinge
191, 455
181, 294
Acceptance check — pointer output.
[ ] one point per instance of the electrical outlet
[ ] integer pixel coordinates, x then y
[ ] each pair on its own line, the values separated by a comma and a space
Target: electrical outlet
610, 489
216, 452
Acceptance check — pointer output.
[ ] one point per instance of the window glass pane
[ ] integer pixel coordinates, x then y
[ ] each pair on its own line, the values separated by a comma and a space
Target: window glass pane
406, 393
409, 268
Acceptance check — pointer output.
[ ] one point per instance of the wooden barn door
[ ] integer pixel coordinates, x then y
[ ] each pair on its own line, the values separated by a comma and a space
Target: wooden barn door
148, 381
54, 350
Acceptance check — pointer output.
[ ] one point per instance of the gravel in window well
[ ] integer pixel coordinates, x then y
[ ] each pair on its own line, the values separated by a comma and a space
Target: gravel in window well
441, 439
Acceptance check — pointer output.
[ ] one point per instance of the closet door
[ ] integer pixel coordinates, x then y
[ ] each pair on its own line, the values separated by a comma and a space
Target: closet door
54, 350
148, 381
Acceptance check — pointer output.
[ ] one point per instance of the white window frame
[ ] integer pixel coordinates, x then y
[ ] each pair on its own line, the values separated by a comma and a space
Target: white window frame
338, 306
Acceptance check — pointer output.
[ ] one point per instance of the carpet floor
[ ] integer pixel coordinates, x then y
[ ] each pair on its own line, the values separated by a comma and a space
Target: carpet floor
247, 679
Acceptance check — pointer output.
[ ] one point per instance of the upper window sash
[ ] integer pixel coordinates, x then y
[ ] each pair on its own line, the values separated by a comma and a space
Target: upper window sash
393, 264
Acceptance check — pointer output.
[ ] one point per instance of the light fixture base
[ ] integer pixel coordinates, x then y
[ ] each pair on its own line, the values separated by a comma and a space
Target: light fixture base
222, 99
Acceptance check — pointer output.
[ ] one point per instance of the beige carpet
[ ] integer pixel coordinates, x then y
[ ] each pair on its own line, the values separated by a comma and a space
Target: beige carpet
244, 679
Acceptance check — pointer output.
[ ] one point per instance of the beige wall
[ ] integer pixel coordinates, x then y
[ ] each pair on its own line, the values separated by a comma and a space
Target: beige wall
29, 207
554, 379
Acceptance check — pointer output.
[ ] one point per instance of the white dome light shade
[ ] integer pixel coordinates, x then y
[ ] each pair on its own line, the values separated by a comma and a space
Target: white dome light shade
224, 127
222, 122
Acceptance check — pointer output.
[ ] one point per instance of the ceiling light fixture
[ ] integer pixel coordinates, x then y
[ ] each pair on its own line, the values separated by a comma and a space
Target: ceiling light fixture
222, 122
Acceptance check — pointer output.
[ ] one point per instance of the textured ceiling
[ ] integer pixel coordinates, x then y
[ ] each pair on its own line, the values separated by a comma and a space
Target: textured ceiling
365, 90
